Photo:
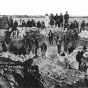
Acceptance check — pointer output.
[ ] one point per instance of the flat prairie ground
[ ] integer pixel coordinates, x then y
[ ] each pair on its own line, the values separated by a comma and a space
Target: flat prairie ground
79, 20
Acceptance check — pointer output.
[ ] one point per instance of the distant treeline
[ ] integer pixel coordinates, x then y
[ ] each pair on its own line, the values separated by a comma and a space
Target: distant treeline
39, 16
79, 17
26, 16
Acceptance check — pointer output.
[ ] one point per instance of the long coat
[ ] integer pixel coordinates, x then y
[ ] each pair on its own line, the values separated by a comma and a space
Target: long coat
10, 22
4, 22
66, 16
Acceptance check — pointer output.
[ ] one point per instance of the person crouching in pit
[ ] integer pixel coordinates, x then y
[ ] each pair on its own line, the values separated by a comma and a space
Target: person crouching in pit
43, 49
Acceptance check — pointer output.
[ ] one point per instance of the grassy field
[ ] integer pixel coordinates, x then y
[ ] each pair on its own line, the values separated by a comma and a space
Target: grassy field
79, 20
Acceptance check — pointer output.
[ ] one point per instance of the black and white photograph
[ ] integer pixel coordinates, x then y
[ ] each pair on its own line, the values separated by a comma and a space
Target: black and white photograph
43, 44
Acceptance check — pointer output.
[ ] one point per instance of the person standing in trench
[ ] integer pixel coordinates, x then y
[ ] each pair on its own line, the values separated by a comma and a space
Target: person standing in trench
59, 43
50, 37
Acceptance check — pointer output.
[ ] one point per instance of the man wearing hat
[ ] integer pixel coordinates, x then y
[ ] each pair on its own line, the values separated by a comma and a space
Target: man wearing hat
66, 17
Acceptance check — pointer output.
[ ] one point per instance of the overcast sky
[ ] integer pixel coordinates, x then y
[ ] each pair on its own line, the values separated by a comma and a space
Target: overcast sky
41, 7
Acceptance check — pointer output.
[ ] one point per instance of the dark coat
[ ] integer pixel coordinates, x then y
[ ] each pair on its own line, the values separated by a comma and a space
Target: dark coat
10, 22
23, 24
51, 22
38, 24
66, 16
33, 23
43, 47
61, 18
71, 26
76, 25
83, 25
71, 49
79, 56
29, 23
15, 24
50, 35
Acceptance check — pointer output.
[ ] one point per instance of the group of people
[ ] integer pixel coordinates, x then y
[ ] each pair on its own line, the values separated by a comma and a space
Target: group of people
64, 39
63, 21
57, 20
81, 59
6, 22
75, 24
29, 23
23, 46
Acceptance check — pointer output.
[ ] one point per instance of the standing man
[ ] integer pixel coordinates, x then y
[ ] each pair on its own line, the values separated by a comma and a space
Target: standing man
29, 23
59, 43
43, 25
7, 40
50, 37
4, 22
10, 22
43, 49
83, 25
15, 25
57, 20
38, 24
20, 23
66, 41
47, 20
33, 23
66, 17
37, 46
76, 26
51, 23
61, 20
23, 24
